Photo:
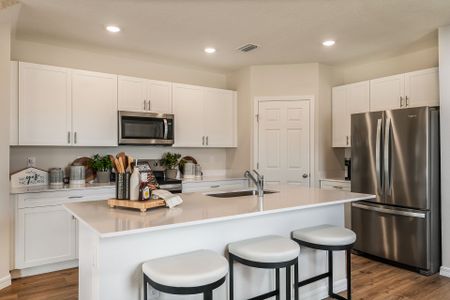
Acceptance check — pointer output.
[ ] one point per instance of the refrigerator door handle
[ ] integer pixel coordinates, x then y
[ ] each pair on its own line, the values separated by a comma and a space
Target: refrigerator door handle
387, 156
390, 211
378, 157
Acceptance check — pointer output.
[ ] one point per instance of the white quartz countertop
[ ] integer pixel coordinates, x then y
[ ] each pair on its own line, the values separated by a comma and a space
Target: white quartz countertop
199, 208
46, 188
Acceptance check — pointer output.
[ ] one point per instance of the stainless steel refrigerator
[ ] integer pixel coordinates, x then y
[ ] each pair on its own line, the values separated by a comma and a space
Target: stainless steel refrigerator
395, 155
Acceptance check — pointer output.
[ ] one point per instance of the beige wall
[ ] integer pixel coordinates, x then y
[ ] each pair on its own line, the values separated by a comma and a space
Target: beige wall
283, 80
395, 63
444, 80
103, 60
5, 53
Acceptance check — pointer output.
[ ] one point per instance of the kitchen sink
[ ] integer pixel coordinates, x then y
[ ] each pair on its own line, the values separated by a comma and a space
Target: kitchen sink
238, 193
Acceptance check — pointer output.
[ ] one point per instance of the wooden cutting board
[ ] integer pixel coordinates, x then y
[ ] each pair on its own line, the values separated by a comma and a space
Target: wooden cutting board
141, 205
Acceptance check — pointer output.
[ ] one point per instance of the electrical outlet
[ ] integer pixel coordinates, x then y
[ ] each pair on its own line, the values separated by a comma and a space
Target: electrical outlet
31, 161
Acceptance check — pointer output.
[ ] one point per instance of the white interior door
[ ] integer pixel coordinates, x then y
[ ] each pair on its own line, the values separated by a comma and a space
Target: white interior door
284, 141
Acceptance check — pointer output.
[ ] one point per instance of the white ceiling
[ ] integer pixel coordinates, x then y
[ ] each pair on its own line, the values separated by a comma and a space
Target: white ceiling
288, 31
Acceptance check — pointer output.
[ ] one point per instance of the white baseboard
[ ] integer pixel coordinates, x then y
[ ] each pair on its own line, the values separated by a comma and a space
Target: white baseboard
44, 269
322, 292
5, 281
445, 271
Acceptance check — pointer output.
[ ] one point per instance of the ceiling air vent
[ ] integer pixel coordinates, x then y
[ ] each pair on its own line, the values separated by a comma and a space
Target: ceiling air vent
247, 48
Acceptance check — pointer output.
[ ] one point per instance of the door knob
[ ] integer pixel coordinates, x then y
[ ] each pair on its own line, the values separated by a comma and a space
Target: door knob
305, 175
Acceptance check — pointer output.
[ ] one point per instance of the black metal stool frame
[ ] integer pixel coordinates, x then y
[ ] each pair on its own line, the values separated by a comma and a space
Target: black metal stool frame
206, 290
262, 265
348, 250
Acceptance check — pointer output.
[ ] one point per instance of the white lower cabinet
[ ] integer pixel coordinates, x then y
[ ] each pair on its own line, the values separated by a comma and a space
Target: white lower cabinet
45, 234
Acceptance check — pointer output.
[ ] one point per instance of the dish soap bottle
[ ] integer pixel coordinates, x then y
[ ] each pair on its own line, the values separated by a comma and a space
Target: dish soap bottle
134, 184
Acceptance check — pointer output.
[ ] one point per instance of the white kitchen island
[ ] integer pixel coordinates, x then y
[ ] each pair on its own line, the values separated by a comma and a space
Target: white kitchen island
114, 242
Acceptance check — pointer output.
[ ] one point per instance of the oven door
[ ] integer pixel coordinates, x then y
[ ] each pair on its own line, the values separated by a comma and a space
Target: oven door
145, 128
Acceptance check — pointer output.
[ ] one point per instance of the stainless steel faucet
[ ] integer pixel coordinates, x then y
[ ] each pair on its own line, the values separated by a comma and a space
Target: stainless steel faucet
258, 181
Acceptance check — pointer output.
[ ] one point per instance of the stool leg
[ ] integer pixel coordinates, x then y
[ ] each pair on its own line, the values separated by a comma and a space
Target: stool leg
296, 281
277, 281
349, 274
145, 288
230, 262
330, 272
288, 283
208, 295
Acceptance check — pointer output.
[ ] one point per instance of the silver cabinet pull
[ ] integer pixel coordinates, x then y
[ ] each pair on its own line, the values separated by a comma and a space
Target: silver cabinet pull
406, 100
75, 137
347, 140
206, 140
68, 137
145, 104
149, 105
75, 197
338, 187
203, 140
401, 101
215, 186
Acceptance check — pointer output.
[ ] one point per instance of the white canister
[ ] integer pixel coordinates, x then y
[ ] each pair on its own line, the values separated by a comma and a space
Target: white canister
189, 170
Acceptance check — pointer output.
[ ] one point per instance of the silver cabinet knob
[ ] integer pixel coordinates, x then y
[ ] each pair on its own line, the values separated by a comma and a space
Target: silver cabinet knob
305, 175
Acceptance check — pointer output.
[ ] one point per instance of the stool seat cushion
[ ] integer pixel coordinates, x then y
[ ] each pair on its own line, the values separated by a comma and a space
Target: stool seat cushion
192, 269
266, 249
325, 235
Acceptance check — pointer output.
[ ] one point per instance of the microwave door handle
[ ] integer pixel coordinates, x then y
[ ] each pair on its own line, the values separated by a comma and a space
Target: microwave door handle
166, 129
378, 157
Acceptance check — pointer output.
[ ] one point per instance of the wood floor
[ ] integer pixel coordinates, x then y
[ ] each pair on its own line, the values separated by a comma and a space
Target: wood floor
371, 280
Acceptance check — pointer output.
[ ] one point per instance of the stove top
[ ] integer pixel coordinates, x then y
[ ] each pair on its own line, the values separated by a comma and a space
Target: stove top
173, 185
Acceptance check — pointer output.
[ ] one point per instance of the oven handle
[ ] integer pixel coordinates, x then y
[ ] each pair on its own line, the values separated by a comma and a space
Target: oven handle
166, 128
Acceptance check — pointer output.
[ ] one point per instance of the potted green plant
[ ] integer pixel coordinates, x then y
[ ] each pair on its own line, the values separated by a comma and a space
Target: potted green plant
171, 161
102, 166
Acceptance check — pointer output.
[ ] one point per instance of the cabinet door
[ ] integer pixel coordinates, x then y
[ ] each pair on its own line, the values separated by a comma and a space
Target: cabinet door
44, 235
422, 88
94, 109
220, 118
387, 93
358, 95
188, 110
132, 93
14, 104
340, 130
159, 95
44, 105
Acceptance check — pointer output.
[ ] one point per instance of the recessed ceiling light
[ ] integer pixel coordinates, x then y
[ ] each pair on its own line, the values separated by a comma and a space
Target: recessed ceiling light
328, 43
210, 50
112, 28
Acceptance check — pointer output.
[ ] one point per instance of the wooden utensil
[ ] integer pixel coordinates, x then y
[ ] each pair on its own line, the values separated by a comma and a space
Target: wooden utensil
129, 163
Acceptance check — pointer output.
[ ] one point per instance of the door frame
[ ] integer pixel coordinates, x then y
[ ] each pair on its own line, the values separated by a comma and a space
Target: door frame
255, 132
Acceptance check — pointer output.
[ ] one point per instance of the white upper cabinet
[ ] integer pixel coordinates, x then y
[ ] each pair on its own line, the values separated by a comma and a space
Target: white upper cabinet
94, 108
44, 105
387, 93
339, 116
188, 110
220, 117
418, 88
138, 94
159, 95
132, 93
14, 105
422, 88
347, 100
204, 117
60, 107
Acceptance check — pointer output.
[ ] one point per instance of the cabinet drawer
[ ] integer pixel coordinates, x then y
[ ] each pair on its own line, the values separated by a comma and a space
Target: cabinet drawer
61, 197
335, 185
205, 186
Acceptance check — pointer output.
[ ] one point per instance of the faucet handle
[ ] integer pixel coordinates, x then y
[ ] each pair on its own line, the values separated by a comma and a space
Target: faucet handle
257, 174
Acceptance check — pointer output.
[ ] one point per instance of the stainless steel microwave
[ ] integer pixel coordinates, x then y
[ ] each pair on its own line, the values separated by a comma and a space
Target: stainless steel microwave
145, 128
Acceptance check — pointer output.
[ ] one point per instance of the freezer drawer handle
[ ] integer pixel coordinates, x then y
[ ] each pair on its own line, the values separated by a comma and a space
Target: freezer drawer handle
390, 211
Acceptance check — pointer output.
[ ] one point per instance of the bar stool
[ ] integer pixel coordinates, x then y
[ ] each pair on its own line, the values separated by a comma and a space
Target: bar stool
266, 252
329, 238
197, 272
